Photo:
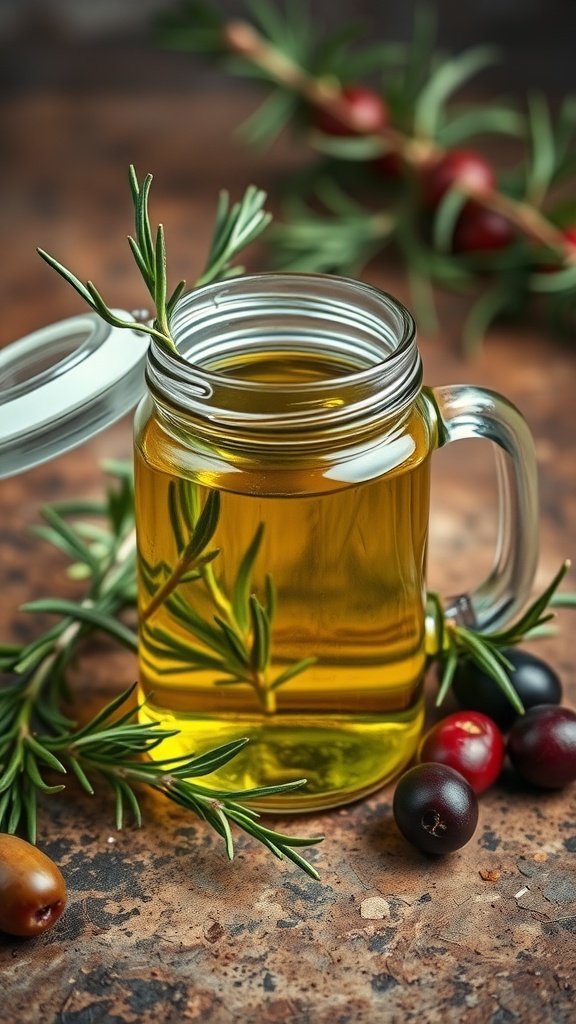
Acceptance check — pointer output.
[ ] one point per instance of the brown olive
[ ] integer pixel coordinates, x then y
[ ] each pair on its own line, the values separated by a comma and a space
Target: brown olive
32, 890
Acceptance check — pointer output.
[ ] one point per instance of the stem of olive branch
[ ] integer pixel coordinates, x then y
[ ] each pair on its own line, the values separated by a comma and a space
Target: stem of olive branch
242, 38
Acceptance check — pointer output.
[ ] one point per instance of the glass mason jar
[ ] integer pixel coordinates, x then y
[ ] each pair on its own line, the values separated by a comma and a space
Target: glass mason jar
282, 489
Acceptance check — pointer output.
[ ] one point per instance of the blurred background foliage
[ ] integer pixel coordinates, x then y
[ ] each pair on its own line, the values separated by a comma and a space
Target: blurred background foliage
443, 88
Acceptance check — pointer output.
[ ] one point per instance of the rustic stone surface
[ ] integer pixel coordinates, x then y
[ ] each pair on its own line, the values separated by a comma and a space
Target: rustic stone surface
160, 926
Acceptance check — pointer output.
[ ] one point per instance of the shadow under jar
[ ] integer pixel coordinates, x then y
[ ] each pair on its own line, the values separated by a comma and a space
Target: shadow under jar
282, 492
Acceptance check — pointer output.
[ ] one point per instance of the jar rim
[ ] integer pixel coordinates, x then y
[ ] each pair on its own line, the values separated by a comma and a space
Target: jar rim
345, 316
360, 289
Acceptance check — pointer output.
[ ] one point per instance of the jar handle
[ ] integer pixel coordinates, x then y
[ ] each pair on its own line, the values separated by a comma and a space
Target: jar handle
464, 411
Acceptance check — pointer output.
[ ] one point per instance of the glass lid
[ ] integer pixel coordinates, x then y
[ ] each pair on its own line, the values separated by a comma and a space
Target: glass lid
63, 384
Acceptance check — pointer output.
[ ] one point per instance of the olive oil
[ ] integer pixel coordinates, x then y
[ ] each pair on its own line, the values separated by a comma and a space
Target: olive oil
347, 559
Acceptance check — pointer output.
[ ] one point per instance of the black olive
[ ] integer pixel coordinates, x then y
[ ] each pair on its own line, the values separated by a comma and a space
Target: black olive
435, 808
542, 746
534, 681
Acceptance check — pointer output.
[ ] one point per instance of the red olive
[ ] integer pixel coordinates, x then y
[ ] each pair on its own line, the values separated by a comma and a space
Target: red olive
469, 742
542, 746
32, 890
458, 166
435, 808
364, 111
478, 229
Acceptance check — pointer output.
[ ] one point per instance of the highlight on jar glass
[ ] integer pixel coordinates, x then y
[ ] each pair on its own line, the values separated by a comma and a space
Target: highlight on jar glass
282, 492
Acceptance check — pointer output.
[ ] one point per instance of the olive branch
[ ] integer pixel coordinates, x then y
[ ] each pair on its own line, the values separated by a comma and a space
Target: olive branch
305, 72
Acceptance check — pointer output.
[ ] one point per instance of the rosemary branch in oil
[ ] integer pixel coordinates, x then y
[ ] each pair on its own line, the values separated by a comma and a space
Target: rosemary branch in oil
236, 644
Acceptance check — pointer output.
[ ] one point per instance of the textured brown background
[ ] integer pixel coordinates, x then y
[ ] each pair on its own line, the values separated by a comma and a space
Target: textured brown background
160, 926
57, 42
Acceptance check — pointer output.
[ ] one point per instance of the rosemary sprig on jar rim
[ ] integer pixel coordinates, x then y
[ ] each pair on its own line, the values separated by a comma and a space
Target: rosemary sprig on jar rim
408, 152
235, 227
237, 645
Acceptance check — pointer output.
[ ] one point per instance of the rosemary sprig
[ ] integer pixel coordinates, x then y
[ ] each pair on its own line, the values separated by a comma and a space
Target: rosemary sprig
32, 701
106, 557
114, 746
458, 643
236, 643
235, 227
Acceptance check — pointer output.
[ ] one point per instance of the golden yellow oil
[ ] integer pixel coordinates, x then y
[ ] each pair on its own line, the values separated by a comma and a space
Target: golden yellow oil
348, 564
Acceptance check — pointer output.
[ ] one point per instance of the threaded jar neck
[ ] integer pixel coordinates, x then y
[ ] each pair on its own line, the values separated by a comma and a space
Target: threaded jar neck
287, 356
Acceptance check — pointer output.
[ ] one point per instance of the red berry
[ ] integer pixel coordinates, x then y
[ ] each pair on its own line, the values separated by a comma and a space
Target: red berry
458, 166
542, 746
363, 112
478, 229
469, 742
570, 235
435, 808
